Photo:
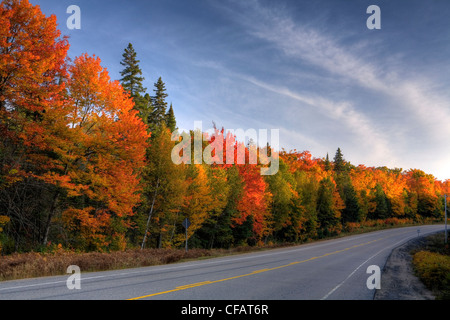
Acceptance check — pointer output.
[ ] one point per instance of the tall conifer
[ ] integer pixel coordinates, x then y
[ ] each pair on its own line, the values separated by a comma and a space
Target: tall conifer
159, 105
132, 81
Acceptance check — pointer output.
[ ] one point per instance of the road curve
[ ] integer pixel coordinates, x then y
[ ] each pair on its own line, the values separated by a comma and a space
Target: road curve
336, 269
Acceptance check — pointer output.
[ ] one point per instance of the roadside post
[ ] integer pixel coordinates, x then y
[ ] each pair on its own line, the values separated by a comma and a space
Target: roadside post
445, 215
186, 223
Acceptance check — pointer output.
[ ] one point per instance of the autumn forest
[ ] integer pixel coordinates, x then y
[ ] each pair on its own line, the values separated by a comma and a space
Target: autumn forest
85, 164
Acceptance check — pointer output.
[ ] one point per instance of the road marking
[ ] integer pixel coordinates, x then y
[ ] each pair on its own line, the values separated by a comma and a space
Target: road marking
284, 266
199, 284
348, 277
146, 270
354, 271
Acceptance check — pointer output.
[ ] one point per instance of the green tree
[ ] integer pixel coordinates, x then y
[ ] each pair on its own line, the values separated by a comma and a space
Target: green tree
165, 187
170, 119
283, 217
363, 204
351, 212
214, 225
159, 105
327, 211
132, 81
305, 203
218, 230
339, 162
381, 202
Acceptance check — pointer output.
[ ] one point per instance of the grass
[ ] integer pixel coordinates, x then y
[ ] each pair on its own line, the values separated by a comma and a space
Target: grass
432, 265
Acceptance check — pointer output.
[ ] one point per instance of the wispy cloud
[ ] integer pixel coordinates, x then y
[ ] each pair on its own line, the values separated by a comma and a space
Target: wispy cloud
323, 51
415, 100
342, 112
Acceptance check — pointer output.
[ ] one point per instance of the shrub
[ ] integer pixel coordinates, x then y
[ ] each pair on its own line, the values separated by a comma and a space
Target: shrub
434, 271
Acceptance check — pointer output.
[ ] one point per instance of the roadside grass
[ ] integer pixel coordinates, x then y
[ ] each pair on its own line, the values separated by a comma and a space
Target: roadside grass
33, 264
432, 265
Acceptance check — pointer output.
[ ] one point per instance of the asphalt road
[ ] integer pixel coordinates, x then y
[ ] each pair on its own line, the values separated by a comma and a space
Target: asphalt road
333, 269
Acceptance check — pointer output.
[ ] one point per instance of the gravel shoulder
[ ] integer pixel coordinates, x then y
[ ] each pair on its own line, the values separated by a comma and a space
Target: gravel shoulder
398, 281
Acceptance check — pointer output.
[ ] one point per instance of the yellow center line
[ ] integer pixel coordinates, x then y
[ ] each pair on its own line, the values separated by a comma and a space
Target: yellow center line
198, 284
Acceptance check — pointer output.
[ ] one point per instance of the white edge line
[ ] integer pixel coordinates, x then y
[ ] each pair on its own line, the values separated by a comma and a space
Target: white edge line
163, 268
353, 272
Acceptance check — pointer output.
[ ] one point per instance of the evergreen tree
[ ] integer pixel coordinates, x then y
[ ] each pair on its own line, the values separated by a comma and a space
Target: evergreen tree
132, 80
170, 119
131, 75
159, 105
352, 212
339, 162
340, 175
327, 213
381, 201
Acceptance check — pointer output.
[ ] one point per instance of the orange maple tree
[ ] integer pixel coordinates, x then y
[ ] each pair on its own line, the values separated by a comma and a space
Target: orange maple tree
107, 149
32, 63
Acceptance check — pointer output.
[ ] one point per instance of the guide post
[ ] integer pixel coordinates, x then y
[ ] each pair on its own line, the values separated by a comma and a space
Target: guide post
445, 214
186, 223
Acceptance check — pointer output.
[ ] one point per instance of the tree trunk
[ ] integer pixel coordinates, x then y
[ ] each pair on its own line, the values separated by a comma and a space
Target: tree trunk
150, 215
50, 216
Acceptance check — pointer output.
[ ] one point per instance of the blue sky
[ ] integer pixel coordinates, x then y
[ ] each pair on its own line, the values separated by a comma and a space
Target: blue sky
311, 69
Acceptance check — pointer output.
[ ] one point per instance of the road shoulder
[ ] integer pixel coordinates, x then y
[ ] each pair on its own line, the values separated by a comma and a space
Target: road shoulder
398, 281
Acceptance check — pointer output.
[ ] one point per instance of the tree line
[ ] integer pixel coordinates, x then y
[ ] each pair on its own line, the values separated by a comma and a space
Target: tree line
86, 164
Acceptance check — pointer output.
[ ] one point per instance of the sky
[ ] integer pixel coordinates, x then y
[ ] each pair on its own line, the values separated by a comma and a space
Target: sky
311, 69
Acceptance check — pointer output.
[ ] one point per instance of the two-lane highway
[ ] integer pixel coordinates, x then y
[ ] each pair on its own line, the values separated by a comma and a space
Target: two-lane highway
332, 269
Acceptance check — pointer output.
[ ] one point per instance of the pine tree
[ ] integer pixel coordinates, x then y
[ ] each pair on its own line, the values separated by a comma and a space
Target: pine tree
340, 175
132, 80
170, 119
339, 162
159, 105
352, 212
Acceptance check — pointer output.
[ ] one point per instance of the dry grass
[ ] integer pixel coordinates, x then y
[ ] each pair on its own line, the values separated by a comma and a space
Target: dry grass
27, 265
30, 265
